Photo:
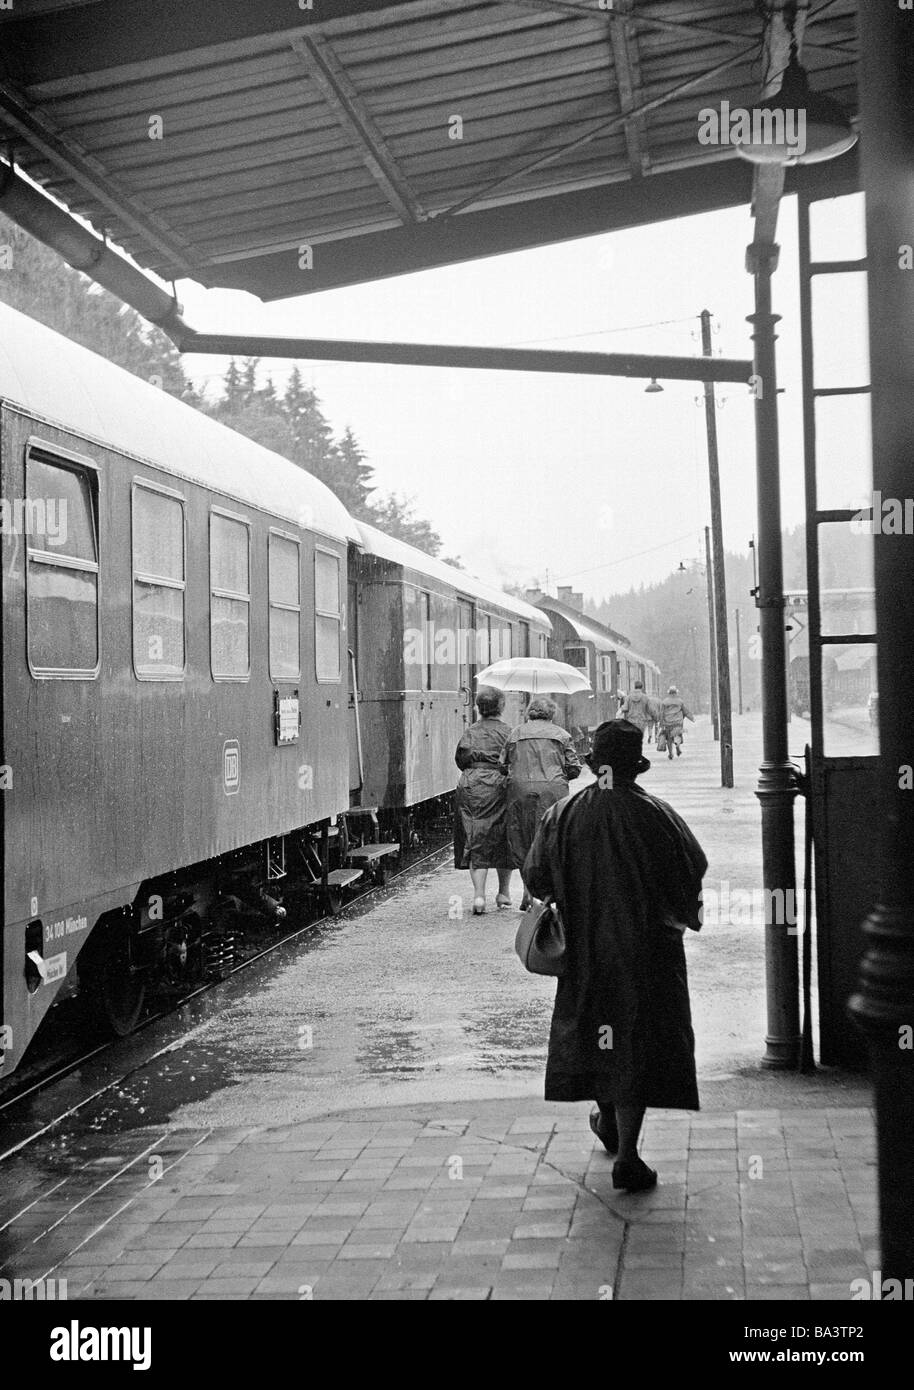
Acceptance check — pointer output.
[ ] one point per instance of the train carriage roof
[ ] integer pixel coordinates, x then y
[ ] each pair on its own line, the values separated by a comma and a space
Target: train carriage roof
589, 630
59, 381
375, 542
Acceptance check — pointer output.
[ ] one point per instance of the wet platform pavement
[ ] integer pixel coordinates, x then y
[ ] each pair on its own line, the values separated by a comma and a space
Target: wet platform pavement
507, 1201
360, 1118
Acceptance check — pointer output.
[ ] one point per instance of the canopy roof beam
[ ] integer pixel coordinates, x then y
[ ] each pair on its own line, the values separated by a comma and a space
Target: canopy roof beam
338, 91
94, 179
502, 359
623, 38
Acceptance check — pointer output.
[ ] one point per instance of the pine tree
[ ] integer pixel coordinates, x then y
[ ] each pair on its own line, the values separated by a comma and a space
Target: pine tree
396, 515
353, 478
232, 389
249, 380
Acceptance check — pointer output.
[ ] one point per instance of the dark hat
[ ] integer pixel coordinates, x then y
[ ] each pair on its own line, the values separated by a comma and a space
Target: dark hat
617, 744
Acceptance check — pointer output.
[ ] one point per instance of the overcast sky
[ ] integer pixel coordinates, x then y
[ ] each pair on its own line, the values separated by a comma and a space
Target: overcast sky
591, 480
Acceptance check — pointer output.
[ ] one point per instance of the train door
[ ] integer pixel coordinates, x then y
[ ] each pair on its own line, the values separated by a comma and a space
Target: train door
352, 677
466, 657
841, 632
524, 648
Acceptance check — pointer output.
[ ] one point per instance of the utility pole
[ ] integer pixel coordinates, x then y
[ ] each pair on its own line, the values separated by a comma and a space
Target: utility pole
739, 662
712, 639
720, 583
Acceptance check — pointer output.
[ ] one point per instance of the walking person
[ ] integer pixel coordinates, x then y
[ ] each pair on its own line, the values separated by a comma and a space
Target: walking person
672, 713
480, 841
630, 871
540, 761
640, 710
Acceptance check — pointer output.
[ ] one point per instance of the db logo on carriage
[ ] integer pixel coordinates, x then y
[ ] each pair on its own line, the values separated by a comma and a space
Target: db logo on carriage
231, 766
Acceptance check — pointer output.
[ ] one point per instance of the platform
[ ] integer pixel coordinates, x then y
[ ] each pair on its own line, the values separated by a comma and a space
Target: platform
496, 1201
359, 1116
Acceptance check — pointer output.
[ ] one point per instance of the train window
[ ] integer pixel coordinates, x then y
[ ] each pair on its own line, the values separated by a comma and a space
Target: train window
606, 673
425, 608
285, 608
62, 573
576, 656
158, 584
327, 615
230, 596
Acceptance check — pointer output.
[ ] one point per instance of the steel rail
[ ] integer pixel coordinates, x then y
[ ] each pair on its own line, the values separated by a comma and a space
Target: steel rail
44, 1082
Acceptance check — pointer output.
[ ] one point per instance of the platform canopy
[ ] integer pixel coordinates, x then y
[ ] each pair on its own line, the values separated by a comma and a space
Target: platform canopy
213, 139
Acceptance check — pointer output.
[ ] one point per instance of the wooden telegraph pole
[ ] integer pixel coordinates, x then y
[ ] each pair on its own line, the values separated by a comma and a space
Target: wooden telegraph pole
712, 640
720, 584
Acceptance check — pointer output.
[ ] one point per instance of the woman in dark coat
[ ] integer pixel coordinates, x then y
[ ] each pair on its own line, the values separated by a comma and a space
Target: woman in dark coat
479, 808
541, 761
626, 871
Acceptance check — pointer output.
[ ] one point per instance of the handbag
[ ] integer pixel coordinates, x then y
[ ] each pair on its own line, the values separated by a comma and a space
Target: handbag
661, 740
540, 939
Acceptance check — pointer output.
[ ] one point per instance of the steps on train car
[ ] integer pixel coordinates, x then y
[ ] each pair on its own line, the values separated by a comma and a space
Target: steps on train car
342, 878
367, 854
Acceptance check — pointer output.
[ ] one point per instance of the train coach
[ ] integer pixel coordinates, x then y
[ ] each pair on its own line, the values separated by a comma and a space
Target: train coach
421, 631
219, 692
601, 654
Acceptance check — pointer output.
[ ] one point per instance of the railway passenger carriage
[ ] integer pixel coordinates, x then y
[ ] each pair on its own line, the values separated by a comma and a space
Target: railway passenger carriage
422, 630
174, 631
218, 690
599, 653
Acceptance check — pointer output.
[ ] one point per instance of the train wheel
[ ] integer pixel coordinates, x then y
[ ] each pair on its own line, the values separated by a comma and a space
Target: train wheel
114, 997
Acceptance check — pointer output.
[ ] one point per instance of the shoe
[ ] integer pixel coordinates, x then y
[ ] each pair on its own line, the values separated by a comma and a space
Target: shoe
525, 902
678, 751
479, 906
633, 1177
502, 901
607, 1131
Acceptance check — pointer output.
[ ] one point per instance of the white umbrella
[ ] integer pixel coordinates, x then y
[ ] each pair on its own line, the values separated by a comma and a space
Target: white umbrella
535, 674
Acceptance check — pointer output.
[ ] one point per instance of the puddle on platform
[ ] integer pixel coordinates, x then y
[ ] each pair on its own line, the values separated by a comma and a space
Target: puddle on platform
510, 1039
391, 1048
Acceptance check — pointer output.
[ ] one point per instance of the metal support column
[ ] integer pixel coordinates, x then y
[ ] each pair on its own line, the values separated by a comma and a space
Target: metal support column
777, 783
884, 1005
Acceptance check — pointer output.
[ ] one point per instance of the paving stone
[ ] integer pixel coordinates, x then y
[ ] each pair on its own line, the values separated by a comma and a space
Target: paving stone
776, 1292
413, 1279
243, 1269
324, 1236
445, 1293
368, 1252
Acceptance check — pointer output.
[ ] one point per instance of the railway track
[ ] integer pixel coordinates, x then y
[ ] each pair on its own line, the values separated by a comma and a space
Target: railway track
21, 1088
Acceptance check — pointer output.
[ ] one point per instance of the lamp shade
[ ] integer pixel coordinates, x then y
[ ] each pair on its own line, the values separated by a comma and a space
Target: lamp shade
797, 125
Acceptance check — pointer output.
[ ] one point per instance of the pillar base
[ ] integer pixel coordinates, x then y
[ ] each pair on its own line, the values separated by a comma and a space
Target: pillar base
782, 1054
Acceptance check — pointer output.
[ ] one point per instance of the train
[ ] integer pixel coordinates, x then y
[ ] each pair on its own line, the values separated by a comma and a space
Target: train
605, 657
221, 694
